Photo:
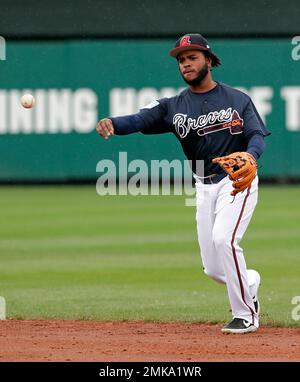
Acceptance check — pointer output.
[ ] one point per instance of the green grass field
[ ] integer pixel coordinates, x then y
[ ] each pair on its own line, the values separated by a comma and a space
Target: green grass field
68, 253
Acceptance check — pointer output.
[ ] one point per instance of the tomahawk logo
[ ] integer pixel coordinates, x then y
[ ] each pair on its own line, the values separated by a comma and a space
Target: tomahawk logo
209, 123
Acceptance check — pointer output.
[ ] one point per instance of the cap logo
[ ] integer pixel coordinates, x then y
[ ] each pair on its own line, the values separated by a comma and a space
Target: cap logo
185, 40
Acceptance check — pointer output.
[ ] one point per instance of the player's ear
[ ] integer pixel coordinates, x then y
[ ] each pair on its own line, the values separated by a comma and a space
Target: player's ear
209, 62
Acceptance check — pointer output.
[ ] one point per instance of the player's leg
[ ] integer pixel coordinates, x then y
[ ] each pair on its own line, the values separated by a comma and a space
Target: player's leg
205, 218
254, 283
232, 219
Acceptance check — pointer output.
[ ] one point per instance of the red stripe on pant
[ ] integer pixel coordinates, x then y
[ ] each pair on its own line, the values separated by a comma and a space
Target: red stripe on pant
235, 257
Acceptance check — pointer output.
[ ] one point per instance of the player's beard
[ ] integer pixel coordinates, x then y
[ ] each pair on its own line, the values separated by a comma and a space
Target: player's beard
200, 77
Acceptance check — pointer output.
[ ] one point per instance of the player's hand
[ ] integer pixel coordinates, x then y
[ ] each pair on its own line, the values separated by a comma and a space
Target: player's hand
105, 128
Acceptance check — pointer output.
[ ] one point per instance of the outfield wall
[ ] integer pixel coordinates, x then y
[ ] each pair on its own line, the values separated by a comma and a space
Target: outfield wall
78, 82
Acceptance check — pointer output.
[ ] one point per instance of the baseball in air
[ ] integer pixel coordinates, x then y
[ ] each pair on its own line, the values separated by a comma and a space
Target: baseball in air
27, 101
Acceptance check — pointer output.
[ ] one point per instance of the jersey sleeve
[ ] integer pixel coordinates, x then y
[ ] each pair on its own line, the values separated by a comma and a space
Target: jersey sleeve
253, 124
154, 117
256, 145
149, 120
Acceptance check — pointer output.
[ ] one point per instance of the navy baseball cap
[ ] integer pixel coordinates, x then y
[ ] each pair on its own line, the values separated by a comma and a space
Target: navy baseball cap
194, 41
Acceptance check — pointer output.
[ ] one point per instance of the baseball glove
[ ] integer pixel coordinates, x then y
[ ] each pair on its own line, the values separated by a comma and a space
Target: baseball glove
241, 168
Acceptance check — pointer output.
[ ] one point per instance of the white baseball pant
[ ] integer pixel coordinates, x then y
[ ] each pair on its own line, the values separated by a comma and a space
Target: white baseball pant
221, 223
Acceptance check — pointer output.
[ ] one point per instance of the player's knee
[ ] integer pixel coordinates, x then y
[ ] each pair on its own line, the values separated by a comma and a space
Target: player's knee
214, 274
221, 240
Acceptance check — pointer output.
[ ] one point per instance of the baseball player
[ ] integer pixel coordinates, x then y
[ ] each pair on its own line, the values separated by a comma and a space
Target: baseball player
219, 125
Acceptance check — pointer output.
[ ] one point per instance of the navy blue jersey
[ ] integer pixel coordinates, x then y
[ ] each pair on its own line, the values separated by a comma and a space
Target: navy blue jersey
211, 124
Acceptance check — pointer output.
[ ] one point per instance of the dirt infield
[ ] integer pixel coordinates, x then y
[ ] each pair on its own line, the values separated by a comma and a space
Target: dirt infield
141, 341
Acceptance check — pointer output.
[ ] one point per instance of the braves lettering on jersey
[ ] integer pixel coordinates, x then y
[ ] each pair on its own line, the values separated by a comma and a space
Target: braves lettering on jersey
211, 124
205, 124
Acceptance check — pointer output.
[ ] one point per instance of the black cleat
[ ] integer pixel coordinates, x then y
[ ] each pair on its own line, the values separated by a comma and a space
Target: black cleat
239, 326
